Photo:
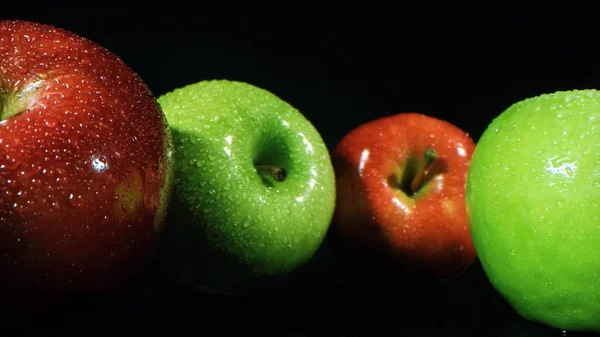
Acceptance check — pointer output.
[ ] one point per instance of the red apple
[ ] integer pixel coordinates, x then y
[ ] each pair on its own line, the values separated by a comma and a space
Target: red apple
400, 197
84, 165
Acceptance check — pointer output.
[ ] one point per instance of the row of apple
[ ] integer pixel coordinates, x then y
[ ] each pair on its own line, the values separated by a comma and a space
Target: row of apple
227, 185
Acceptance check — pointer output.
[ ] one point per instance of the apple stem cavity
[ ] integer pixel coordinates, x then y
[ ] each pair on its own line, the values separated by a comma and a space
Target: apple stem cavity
429, 156
269, 171
14, 101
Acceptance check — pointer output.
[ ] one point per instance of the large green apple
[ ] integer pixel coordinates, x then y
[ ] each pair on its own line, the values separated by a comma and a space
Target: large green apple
254, 190
533, 199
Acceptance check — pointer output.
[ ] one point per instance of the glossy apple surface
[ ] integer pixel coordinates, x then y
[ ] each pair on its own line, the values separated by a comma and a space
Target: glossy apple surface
84, 164
254, 191
400, 197
533, 198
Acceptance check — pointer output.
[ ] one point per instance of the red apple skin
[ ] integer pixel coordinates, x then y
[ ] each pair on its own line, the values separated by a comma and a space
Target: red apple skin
377, 225
83, 169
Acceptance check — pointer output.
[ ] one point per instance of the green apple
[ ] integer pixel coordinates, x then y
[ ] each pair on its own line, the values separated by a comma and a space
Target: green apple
254, 188
533, 199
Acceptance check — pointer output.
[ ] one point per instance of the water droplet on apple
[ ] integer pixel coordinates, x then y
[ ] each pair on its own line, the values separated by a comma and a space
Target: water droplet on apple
10, 164
20, 207
76, 200
569, 171
99, 162
74, 140
246, 224
28, 171
61, 181
51, 122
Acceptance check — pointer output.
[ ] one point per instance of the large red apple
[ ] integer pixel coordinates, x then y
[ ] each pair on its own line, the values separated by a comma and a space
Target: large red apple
400, 197
84, 165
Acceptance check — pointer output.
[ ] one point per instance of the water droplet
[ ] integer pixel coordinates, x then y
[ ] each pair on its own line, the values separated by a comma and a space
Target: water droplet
20, 207
74, 140
61, 181
51, 122
29, 171
76, 200
211, 157
99, 162
569, 171
10, 164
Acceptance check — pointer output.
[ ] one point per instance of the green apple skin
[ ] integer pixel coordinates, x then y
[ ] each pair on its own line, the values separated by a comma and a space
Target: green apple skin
533, 199
230, 230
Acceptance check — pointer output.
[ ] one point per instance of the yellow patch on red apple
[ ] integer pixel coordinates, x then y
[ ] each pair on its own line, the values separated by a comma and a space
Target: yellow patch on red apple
129, 197
449, 207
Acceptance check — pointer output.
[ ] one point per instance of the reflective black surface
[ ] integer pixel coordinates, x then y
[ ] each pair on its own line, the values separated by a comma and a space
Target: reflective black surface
322, 299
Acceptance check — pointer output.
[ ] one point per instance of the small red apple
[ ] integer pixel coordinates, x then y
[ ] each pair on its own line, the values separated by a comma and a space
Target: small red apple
84, 165
400, 202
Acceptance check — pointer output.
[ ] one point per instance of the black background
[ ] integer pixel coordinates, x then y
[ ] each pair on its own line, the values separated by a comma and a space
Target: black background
340, 65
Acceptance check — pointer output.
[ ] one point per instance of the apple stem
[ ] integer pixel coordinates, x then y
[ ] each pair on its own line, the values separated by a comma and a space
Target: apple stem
277, 173
429, 157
